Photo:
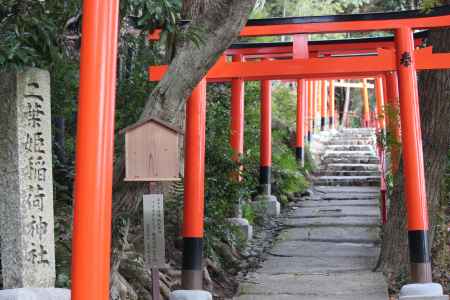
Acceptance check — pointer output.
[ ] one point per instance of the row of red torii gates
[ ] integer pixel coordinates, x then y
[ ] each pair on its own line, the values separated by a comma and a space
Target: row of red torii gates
392, 62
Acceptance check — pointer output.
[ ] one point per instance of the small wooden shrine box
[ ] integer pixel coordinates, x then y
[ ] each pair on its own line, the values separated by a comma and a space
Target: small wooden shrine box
151, 151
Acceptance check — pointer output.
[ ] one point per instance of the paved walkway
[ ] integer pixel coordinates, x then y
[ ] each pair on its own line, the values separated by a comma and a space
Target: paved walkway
331, 241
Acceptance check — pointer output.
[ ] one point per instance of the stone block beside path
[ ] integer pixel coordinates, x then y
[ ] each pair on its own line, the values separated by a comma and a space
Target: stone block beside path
35, 294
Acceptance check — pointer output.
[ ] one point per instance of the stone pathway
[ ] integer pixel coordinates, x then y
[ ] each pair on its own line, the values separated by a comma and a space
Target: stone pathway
331, 241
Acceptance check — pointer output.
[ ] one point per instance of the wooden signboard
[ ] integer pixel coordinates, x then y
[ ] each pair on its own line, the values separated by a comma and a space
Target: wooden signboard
154, 231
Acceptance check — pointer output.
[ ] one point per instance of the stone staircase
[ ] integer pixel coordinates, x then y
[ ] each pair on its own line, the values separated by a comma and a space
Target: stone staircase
331, 239
348, 158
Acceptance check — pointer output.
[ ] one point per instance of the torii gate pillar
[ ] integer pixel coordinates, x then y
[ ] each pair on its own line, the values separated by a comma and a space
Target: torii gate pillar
416, 201
269, 204
194, 190
309, 85
91, 242
237, 115
323, 105
237, 144
265, 172
301, 116
380, 102
331, 114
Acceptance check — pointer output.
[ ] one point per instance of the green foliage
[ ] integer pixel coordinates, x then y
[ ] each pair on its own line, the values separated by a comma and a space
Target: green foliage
222, 191
393, 115
152, 14
285, 8
31, 32
430, 4
284, 103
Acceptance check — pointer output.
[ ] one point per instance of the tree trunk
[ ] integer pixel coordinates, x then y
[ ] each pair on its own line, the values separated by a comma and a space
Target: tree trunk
434, 92
218, 23
435, 115
346, 107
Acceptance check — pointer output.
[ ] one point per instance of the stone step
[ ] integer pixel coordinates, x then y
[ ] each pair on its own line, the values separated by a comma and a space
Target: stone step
348, 180
338, 142
313, 265
332, 221
333, 234
347, 154
352, 167
323, 249
364, 285
337, 202
350, 160
349, 196
359, 129
346, 189
354, 136
353, 296
334, 211
346, 173
350, 148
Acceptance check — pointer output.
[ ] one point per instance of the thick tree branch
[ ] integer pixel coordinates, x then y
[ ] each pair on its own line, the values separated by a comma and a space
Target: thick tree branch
220, 25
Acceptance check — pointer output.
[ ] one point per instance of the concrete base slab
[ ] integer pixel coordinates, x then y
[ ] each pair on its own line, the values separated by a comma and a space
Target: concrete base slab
422, 291
333, 234
347, 196
324, 249
347, 189
311, 297
348, 180
346, 173
35, 294
351, 286
336, 211
267, 205
339, 203
311, 265
190, 295
424, 298
332, 221
245, 228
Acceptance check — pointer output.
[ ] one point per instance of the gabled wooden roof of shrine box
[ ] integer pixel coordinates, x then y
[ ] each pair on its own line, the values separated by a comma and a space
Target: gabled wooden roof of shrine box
155, 120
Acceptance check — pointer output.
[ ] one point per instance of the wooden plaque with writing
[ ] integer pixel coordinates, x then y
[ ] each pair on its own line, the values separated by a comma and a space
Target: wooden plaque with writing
154, 231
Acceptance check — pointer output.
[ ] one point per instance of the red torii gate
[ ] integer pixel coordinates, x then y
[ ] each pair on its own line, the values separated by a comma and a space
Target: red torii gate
266, 50
404, 59
94, 160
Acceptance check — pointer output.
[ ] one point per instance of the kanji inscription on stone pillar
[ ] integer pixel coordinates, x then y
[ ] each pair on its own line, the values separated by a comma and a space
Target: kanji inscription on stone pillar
26, 183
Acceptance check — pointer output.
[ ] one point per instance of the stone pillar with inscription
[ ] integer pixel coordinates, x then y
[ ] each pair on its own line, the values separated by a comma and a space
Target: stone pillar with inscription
26, 192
